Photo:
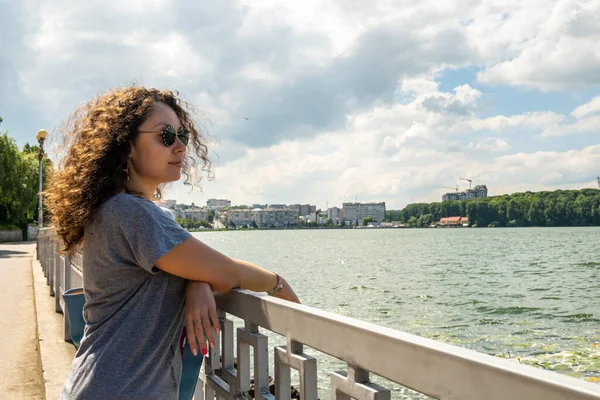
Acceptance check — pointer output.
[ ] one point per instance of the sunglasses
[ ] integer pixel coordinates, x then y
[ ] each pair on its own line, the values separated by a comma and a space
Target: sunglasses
169, 134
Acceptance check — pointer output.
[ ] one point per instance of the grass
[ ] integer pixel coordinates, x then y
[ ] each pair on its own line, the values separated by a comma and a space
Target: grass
9, 228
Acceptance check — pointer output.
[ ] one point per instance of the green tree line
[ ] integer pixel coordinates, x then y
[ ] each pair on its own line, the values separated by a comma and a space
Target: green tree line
19, 183
548, 208
191, 223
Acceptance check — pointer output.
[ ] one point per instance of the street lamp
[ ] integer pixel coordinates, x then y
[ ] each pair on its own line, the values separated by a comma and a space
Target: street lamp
41, 136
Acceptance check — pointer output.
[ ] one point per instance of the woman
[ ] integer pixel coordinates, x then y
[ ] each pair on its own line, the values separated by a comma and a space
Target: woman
143, 274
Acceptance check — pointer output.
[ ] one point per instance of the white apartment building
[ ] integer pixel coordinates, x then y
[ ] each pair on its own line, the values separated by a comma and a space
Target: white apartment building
170, 204
276, 217
333, 213
304, 209
195, 213
215, 204
358, 211
240, 216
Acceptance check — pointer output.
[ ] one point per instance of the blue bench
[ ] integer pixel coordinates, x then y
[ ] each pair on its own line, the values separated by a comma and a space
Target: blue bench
75, 300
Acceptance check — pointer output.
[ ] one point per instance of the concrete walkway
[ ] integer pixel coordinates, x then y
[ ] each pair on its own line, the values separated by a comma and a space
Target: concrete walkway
20, 369
35, 357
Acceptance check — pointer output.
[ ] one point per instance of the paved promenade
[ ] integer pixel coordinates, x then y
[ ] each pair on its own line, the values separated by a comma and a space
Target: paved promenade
35, 359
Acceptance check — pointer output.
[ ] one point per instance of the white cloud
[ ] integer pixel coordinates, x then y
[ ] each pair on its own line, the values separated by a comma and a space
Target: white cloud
403, 153
490, 144
593, 106
573, 164
585, 125
462, 102
328, 100
561, 55
532, 121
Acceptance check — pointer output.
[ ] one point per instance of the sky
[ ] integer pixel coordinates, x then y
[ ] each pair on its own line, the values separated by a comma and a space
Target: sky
328, 101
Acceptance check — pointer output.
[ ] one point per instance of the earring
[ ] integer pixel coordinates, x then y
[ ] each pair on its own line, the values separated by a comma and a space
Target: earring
126, 170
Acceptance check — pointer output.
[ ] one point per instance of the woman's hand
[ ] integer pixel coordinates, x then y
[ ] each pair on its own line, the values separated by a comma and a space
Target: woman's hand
200, 311
286, 293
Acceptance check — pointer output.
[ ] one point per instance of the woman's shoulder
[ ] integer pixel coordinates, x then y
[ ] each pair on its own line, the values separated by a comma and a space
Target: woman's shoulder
126, 204
125, 199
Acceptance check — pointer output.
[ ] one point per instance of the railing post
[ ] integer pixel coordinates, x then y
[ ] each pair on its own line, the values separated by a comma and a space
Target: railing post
355, 384
58, 274
52, 265
40, 251
293, 356
44, 254
67, 273
67, 286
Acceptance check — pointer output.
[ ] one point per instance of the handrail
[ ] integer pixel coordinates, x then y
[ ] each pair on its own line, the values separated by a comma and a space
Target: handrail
437, 369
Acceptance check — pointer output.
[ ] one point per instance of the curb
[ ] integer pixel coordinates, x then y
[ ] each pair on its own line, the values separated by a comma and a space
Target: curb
56, 354
37, 330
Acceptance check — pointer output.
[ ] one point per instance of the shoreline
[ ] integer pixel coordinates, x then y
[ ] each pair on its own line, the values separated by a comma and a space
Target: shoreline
384, 228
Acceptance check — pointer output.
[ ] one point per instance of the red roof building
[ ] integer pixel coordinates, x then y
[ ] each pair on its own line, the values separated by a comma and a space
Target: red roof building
452, 222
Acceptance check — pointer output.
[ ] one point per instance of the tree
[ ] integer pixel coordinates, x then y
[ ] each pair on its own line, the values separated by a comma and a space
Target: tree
500, 207
19, 174
367, 220
425, 220
512, 211
412, 222
536, 213
253, 225
556, 208
210, 215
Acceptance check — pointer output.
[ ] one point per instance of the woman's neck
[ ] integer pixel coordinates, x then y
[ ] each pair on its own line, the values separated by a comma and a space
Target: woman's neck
141, 189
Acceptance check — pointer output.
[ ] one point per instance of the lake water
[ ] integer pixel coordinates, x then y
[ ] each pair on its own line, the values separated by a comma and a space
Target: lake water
528, 294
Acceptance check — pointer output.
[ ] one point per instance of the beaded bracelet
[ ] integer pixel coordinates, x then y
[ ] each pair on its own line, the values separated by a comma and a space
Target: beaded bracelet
277, 287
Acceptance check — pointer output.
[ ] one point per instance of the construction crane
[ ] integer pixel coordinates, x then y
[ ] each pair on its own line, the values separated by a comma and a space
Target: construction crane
447, 187
469, 180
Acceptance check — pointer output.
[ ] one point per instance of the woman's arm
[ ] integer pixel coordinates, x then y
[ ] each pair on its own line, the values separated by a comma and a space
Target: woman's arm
195, 261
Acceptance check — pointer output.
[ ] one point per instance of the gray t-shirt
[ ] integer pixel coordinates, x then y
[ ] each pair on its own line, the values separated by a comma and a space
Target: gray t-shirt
134, 312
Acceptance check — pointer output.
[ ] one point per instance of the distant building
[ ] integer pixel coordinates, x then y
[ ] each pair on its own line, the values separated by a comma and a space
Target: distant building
452, 222
358, 211
197, 214
304, 209
333, 213
169, 207
216, 204
277, 206
275, 217
240, 216
477, 192
170, 204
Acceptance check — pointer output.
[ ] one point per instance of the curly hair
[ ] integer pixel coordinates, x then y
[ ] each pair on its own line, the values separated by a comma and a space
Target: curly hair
99, 136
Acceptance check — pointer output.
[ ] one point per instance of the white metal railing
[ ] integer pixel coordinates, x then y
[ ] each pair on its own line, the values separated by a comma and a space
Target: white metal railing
62, 272
436, 369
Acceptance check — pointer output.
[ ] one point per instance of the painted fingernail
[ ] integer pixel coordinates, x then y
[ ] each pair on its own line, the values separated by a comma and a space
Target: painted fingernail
204, 352
195, 352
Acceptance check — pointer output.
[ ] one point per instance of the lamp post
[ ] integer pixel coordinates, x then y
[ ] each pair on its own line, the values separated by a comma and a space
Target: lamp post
41, 136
